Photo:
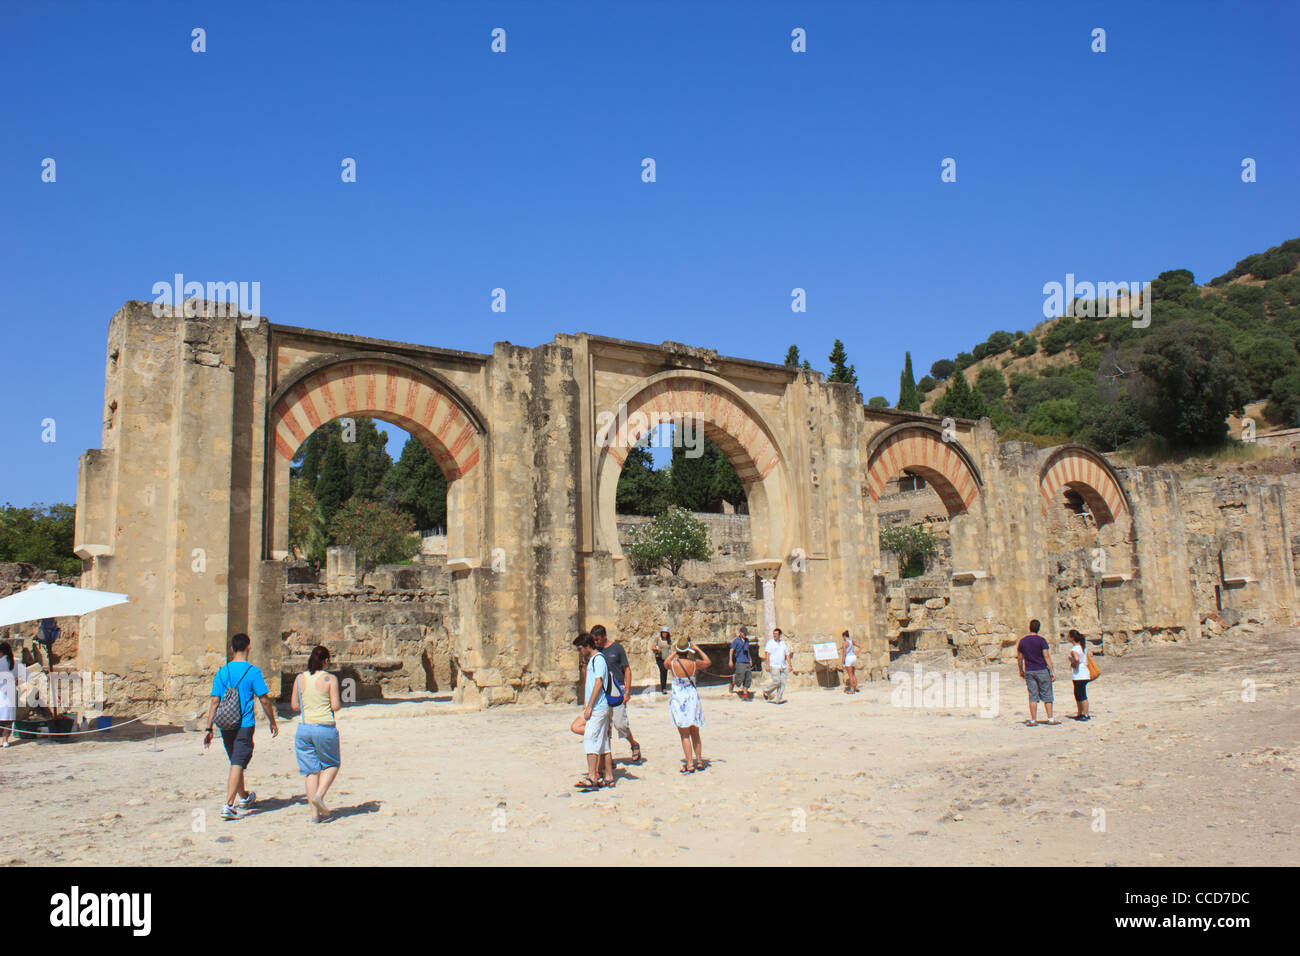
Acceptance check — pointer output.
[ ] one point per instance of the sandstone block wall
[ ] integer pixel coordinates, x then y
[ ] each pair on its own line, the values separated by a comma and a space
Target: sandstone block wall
184, 508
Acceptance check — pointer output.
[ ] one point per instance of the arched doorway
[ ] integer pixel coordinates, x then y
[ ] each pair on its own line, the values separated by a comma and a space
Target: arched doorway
380, 387
1089, 536
918, 479
702, 401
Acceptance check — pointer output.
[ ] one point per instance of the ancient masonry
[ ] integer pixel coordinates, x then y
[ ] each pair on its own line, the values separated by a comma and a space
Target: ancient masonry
184, 508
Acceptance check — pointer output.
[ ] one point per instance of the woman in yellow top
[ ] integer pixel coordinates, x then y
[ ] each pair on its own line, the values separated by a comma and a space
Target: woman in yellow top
316, 694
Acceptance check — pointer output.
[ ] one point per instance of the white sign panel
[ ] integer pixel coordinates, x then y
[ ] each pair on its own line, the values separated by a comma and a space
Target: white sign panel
826, 652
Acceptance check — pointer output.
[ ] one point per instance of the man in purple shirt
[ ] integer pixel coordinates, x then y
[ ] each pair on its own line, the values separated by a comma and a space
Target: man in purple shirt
1035, 664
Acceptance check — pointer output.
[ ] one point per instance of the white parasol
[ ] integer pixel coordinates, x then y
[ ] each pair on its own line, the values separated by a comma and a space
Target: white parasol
44, 600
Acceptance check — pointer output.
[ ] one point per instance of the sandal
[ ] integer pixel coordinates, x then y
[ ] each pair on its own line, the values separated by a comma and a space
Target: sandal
699, 766
608, 784
636, 754
586, 784
687, 768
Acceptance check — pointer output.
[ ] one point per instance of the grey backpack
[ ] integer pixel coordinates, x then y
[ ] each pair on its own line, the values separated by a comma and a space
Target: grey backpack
230, 712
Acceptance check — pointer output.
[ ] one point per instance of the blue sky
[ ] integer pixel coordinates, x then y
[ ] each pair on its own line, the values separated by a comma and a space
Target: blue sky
522, 170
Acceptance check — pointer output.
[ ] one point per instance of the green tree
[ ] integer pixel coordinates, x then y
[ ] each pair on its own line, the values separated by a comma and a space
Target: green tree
308, 533
641, 489
307, 462
878, 401
839, 371
1027, 347
925, 386
990, 383
379, 534
691, 479
334, 486
999, 342
40, 536
1192, 384
792, 356
669, 541
1056, 416
417, 486
908, 399
727, 485
960, 401
1284, 399
942, 369
367, 458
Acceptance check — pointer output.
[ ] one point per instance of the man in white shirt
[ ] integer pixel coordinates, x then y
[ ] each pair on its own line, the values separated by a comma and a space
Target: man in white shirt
778, 655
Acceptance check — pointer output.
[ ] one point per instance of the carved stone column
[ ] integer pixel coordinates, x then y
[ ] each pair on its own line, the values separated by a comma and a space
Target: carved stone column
767, 571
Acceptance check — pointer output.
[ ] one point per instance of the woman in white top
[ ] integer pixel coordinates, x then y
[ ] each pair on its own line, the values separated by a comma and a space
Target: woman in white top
12, 674
850, 655
1079, 674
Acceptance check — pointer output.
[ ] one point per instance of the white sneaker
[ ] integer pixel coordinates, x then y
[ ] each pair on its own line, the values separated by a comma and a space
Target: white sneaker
246, 802
230, 813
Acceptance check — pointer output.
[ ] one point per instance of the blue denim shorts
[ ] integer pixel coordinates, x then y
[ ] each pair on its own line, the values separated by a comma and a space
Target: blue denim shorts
317, 747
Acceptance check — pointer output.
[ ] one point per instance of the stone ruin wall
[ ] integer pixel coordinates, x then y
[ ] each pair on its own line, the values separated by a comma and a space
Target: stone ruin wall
391, 633
181, 508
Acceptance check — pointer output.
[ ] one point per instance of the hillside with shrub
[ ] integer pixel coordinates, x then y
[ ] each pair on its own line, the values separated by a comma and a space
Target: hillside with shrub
1210, 352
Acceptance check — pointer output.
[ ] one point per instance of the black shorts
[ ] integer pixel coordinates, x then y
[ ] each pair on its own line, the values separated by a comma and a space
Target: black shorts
239, 745
1081, 690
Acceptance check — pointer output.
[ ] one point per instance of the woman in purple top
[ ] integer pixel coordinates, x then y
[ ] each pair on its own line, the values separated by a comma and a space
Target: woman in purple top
1035, 665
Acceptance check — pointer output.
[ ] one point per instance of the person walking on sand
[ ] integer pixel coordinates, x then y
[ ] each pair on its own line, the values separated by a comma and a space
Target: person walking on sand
316, 745
742, 666
1034, 660
684, 708
777, 654
247, 681
1079, 674
12, 676
850, 657
619, 688
662, 648
596, 713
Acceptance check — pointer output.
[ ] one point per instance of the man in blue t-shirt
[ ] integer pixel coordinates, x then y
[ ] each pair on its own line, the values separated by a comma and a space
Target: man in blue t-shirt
1035, 665
247, 680
742, 665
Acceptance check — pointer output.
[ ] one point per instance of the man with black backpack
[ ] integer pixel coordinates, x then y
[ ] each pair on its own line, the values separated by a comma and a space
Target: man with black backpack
234, 689
619, 687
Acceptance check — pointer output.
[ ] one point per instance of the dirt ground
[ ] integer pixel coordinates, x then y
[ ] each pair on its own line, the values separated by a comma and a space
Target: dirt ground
1176, 768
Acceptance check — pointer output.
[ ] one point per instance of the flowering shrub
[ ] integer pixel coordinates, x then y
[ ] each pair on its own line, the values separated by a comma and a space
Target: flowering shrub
674, 537
914, 545
379, 535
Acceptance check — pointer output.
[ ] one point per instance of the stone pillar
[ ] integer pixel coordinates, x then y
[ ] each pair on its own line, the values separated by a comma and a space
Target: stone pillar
767, 571
340, 569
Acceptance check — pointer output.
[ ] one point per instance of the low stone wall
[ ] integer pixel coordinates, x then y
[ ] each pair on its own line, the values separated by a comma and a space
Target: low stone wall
392, 635
706, 613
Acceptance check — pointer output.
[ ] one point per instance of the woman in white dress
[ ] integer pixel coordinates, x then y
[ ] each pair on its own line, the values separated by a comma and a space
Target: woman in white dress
684, 708
12, 675
850, 655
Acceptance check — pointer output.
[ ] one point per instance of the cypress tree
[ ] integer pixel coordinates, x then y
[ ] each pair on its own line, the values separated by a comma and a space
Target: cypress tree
908, 399
691, 480
960, 400
792, 356
726, 483
334, 486
417, 486
839, 371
